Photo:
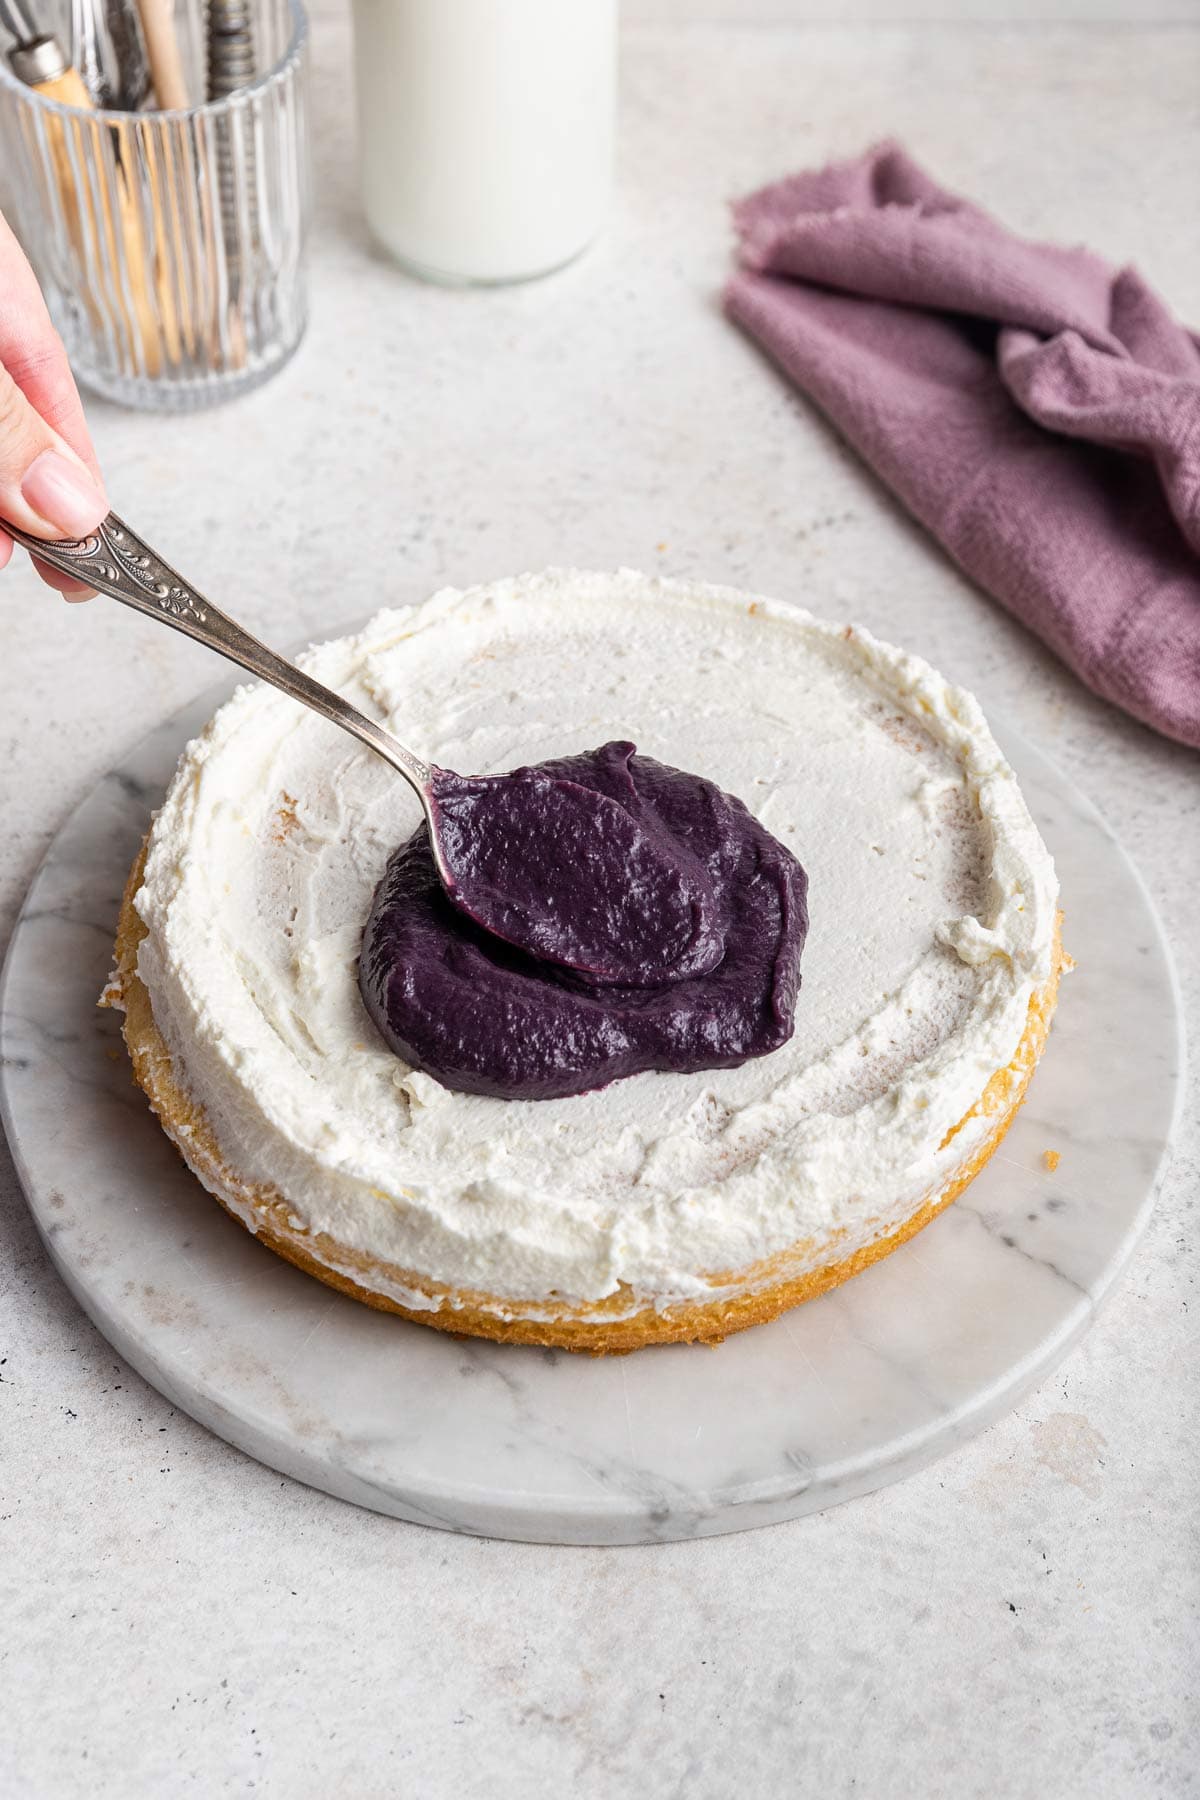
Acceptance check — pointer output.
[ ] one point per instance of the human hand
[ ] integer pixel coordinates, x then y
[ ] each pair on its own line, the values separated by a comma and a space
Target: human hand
49, 479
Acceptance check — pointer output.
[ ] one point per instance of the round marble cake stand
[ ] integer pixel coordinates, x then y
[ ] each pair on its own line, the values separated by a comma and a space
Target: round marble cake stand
842, 1396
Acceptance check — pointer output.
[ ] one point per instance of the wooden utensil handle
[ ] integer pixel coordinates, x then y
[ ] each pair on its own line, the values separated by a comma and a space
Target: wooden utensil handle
106, 238
66, 88
162, 49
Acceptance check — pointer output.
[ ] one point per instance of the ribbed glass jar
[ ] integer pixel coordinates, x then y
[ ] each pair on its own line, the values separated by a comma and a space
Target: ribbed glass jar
170, 245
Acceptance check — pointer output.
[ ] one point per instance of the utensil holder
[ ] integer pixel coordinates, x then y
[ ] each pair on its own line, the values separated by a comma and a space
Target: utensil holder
170, 245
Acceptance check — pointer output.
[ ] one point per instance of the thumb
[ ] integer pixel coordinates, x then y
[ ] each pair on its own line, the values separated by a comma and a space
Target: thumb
45, 488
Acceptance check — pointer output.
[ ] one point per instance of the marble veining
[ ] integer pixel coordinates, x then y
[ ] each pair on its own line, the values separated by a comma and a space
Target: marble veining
848, 1393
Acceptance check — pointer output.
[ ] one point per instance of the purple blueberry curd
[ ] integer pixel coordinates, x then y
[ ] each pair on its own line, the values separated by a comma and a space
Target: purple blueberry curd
594, 917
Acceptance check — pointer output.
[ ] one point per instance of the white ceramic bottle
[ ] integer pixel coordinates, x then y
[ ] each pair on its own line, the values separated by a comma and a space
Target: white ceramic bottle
485, 131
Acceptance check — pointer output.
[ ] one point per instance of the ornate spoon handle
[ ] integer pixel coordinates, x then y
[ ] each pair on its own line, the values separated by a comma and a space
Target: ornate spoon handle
114, 560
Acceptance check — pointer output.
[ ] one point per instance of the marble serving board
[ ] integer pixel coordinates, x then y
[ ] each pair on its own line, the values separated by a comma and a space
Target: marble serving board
845, 1394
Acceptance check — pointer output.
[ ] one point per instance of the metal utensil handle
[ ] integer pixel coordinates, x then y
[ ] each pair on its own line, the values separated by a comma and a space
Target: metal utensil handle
114, 560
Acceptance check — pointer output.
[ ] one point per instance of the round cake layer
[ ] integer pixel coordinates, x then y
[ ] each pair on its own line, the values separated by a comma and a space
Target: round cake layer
932, 900
737, 1300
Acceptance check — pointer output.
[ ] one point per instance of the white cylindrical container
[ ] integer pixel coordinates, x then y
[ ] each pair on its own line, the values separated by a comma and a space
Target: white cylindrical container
485, 131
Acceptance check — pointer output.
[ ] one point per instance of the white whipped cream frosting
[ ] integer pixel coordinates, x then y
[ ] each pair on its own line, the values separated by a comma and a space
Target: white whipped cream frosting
932, 900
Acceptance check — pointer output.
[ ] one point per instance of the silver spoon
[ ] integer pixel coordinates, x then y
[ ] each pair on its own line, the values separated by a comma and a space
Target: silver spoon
115, 561
523, 879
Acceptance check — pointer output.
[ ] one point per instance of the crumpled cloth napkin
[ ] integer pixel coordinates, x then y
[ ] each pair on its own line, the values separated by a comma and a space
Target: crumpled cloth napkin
1038, 411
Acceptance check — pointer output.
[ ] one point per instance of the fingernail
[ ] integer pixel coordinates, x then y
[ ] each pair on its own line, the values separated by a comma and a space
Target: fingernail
64, 494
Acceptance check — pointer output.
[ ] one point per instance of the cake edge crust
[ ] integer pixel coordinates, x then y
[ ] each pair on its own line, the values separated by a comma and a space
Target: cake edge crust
768, 1291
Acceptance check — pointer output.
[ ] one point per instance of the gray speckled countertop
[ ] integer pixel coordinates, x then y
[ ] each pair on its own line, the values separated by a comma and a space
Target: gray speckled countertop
1017, 1621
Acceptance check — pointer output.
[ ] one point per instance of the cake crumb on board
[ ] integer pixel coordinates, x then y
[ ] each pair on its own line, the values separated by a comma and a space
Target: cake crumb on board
1051, 1158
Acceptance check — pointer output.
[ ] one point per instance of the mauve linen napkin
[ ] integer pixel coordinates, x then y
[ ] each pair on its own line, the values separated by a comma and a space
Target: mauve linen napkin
1038, 411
